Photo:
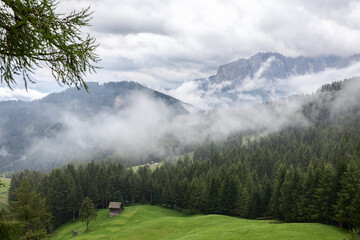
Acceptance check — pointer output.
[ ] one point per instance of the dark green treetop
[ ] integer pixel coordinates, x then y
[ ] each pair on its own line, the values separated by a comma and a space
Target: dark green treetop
29, 208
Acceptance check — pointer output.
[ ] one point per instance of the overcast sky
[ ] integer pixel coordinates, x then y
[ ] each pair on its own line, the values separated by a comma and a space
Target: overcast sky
162, 43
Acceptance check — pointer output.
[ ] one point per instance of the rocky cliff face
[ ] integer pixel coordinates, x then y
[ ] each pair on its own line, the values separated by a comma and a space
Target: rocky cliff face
275, 65
263, 77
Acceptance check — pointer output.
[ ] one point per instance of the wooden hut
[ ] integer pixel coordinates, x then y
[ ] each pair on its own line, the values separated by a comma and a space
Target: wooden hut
115, 208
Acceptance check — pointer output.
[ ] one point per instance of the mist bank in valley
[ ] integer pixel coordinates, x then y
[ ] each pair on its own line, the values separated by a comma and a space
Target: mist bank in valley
138, 126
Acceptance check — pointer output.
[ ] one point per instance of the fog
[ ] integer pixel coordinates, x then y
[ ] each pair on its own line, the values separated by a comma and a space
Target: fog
147, 126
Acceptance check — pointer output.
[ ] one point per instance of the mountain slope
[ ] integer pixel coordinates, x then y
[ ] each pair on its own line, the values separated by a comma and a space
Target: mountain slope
26, 126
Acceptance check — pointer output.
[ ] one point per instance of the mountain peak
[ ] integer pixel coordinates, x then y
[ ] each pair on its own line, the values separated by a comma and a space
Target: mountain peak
267, 76
265, 55
273, 65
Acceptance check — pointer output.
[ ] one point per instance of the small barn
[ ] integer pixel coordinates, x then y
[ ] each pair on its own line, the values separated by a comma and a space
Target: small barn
115, 208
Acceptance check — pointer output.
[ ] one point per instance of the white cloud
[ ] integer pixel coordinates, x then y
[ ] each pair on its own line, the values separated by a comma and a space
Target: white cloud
20, 94
311, 82
163, 43
4, 152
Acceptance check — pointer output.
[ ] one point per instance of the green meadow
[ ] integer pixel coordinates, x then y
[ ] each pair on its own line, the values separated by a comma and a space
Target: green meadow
152, 166
4, 192
153, 222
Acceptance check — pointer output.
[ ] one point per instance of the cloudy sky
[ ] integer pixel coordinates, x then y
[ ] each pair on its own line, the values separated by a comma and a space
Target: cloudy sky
162, 43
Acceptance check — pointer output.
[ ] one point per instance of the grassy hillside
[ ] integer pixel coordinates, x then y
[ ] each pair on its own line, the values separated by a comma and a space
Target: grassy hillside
152, 222
152, 166
4, 192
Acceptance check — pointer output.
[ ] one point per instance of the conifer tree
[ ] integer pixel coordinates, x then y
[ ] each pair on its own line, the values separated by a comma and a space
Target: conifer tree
33, 34
350, 186
87, 212
229, 194
276, 195
354, 211
57, 198
325, 195
242, 208
266, 196
289, 194
213, 198
307, 210
30, 209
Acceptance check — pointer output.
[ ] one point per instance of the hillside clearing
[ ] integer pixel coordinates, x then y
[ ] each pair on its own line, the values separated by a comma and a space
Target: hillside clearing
4, 192
151, 166
152, 222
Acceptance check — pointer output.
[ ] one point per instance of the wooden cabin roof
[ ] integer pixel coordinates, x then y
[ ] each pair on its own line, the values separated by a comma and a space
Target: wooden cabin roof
114, 205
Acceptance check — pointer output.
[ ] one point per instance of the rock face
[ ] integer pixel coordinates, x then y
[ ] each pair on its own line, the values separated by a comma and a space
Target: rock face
263, 77
278, 66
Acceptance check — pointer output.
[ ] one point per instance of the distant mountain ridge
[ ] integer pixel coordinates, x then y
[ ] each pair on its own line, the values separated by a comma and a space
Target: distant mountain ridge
279, 66
107, 96
262, 77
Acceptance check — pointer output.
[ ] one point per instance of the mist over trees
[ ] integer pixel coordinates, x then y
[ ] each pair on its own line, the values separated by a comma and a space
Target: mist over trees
118, 114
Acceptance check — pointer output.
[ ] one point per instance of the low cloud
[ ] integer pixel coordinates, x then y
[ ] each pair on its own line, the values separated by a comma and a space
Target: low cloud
148, 127
193, 92
20, 94
4, 152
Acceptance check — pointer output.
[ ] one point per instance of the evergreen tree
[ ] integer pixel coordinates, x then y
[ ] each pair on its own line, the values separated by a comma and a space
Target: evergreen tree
33, 34
87, 212
307, 205
265, 196
10, 229
213, 198
57, 198
354, 210
288, 194
325, 195
229, 194
242, 208
30, 209
350, 187
118, 197
145, 183
196, 195
276, 195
